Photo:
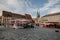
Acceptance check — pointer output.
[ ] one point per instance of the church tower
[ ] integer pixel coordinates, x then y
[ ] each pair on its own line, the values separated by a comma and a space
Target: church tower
37, 17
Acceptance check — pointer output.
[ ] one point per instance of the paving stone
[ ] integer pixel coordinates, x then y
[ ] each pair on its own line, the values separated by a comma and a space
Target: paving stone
35, 33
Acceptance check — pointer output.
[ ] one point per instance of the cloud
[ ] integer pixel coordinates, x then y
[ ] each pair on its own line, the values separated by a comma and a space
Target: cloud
12, 2
3, 7
25, 6
32, 11
17, 6
49, 4
47, 8
55, 9
13, 5
52, 6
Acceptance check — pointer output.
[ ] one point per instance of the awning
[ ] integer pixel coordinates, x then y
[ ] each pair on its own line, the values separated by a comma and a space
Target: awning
22, 20
52, 21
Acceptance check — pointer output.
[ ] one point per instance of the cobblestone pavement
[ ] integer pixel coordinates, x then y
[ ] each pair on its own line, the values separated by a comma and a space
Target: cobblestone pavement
36, 33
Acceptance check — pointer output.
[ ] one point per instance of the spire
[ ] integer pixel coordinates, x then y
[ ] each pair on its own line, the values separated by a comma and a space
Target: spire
38, 14
37, 17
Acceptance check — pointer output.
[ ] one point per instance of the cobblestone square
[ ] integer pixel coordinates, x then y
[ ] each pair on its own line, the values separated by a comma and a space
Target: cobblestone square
35, 33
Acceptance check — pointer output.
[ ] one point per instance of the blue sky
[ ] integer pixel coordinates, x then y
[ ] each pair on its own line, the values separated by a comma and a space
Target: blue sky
30, 6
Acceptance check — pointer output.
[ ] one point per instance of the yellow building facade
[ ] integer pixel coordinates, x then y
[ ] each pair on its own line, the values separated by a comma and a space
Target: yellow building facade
51, 18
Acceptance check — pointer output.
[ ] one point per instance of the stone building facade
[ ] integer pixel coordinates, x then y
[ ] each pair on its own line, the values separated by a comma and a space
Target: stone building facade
51, 18
6, 16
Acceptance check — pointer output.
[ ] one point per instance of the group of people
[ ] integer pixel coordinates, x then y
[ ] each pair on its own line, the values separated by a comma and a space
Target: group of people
28, 25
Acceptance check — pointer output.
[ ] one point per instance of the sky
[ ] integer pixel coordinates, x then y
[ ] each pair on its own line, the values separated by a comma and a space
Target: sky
30, 6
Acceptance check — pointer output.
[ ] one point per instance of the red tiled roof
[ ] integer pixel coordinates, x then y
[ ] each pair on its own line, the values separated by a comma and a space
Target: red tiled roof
26, 16
13, 13
52, 14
